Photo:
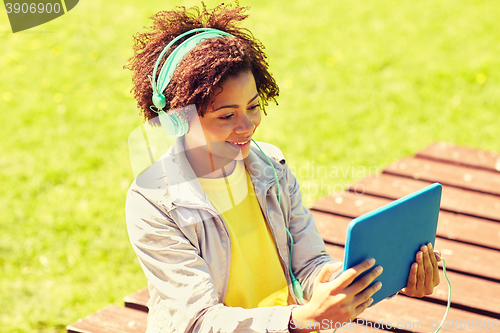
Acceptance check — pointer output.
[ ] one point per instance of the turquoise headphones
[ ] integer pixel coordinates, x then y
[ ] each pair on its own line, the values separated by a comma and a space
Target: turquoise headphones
176, 126
171, 122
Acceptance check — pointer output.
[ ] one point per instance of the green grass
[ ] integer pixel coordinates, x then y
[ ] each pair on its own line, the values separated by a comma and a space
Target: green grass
362, 84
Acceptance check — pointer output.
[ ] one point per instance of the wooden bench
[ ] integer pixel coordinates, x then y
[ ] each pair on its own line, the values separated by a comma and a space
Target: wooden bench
468, 236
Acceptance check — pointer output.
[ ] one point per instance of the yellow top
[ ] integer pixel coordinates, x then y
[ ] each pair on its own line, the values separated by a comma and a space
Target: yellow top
256, 277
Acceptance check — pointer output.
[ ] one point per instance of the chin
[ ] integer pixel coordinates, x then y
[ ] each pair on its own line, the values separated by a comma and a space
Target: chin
243, 154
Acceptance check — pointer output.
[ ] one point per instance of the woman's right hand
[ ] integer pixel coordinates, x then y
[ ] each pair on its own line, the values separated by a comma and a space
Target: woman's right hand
337, 301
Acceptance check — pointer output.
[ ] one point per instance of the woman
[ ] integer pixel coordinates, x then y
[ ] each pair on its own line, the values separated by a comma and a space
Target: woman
212, 222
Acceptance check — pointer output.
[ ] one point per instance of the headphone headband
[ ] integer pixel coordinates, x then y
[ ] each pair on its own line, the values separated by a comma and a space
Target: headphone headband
175, 58
172, 124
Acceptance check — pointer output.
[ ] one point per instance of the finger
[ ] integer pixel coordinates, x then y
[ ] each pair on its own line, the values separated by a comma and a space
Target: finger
346, 278
365, 281
429, 270
367, 293
435, 277
420, 271
362, 307
411, 285
433, 258
437, 254
327, 271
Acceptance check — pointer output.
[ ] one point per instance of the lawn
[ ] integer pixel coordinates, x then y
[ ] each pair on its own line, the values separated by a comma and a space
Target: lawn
362, 84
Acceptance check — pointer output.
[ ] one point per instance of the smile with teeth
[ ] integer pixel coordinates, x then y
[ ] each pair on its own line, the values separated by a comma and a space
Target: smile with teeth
239, 143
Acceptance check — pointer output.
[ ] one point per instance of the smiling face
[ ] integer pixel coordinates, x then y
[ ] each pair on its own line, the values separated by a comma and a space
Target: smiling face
223, 134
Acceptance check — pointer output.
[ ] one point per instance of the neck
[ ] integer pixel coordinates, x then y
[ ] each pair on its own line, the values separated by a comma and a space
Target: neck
222, 172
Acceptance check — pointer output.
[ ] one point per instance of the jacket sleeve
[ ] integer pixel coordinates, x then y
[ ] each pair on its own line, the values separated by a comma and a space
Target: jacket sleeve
309, 251
187, 299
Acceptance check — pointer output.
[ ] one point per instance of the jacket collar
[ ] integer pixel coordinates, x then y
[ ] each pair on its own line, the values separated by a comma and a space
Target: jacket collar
261, 172
184, 189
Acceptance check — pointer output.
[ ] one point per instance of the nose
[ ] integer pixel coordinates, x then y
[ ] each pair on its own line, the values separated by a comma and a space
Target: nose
244, 125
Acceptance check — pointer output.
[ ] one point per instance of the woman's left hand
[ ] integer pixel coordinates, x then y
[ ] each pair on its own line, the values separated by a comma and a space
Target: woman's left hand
424, 273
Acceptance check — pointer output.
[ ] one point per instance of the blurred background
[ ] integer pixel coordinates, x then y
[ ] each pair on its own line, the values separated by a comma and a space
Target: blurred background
362, 85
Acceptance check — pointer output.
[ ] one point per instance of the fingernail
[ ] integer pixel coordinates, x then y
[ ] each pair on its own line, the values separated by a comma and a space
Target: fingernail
424, 250
419, 255
430, 247
371, 261
370, 301
378, 285
378, 269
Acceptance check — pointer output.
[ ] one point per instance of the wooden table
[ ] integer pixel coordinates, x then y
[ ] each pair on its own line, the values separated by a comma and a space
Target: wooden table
468, 237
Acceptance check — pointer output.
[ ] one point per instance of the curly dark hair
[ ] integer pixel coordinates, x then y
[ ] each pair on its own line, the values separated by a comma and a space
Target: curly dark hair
206, 66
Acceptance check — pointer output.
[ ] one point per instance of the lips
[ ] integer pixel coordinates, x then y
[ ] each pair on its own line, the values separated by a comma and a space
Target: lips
240, 145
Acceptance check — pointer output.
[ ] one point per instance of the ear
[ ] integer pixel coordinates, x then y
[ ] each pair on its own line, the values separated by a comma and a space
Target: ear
188, 112
195, 132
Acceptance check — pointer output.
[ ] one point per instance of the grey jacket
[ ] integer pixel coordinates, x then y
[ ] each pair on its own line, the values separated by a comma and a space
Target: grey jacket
184, 248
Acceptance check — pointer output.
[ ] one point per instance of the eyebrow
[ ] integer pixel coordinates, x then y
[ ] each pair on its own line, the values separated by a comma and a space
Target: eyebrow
234, 105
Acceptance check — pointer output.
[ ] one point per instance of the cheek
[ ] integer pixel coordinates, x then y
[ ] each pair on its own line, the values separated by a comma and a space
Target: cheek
257, 119
217, 133
196, 132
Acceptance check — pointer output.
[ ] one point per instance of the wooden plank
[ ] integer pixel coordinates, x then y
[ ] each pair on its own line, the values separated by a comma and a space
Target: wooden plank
112, 319
332, 228
416, 315
469, 293
450, 153
470, 259
349, 204
453, 199
451, 225
469, 229
460, 257
411, 311
453, 175
138, 300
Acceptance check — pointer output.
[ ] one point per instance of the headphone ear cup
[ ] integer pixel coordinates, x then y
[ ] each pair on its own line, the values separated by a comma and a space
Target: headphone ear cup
167, 123
184, 126
172, 124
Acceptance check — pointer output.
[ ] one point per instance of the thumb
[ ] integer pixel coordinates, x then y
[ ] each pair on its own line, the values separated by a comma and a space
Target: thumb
327, 271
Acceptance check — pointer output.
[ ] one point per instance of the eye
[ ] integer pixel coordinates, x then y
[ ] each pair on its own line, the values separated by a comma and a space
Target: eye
254, 107
226, 117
